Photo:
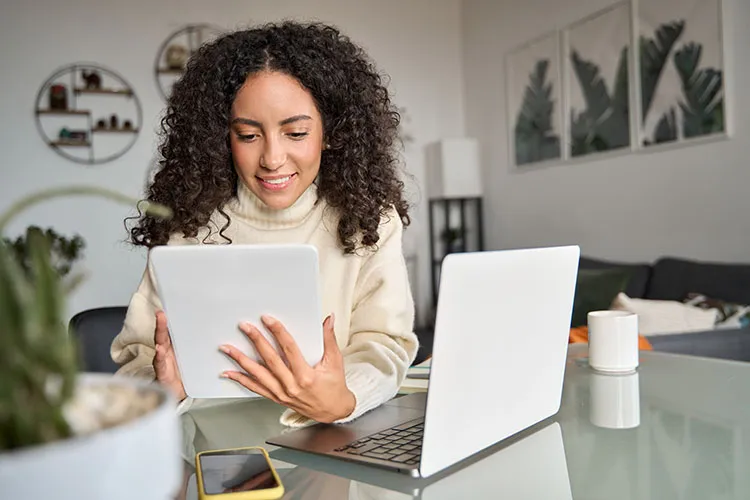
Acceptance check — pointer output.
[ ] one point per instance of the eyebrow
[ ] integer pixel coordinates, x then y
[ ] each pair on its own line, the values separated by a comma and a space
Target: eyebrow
285, 121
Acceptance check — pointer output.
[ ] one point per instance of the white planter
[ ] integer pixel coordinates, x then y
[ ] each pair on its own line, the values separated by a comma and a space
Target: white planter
139, 459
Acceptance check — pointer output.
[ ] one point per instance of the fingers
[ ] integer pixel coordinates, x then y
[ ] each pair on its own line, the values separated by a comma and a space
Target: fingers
286, 343
271, 358
261, 374
161, 333
330, 346
250, 384
160, 362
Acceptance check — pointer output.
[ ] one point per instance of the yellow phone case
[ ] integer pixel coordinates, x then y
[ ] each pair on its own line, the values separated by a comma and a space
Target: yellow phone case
265, 494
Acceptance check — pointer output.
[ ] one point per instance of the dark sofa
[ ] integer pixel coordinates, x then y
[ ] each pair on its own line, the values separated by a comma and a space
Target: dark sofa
670, 278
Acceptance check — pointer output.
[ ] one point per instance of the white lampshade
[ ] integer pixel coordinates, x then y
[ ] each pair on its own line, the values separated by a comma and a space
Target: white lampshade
453, 169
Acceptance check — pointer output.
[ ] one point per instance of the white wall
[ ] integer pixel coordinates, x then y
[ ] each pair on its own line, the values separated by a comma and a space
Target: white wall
417, 42
690, 202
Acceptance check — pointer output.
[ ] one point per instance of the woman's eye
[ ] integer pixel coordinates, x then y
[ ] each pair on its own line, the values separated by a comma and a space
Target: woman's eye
247, 137
298, 135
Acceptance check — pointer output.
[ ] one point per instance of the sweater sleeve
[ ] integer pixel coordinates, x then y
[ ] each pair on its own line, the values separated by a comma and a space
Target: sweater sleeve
382, 343
133, 348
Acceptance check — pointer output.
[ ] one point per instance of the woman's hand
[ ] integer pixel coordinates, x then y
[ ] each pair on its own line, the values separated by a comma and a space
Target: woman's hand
165, 363
319, 392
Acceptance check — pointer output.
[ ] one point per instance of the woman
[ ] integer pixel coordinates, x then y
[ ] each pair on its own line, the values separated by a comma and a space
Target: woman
286, 134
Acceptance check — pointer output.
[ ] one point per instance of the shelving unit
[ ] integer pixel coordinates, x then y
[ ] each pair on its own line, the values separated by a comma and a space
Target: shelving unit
70, 144
127, 92
114, 130
191, 37
110, 84
63, 112
455, 226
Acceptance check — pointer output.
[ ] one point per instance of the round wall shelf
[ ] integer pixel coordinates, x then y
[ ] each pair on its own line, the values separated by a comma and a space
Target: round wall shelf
175, 51
88, 113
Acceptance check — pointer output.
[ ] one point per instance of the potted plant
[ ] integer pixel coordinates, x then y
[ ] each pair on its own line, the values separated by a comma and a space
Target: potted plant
65, 434
63, 251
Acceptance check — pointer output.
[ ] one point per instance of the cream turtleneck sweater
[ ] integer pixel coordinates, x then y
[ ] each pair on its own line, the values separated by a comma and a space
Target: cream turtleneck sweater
368, 291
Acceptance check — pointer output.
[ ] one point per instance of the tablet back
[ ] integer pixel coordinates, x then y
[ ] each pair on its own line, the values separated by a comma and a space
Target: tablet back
208, 290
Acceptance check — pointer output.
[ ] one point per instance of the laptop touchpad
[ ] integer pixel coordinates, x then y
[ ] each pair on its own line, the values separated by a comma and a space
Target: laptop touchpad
418, 401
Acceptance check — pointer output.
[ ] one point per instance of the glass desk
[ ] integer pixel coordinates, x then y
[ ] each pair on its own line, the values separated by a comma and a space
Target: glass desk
679, 428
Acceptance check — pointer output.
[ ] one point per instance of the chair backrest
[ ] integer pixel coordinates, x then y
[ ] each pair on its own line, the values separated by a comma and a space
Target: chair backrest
95, 330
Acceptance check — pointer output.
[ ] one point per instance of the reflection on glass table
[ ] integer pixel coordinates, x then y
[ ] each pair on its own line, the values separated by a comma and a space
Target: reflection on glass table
512, 470
679, 428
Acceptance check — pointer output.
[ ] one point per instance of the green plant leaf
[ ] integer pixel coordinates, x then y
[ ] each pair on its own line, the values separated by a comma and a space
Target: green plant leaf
654, 55
593, 87
605, 123
616, 129
31, 352
534, 137
666, 129
703, 104
64, 252
72, 282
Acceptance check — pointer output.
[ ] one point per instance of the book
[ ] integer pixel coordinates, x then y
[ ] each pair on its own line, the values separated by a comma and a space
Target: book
417, 378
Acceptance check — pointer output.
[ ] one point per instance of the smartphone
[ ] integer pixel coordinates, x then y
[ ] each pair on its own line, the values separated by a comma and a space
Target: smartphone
237, 473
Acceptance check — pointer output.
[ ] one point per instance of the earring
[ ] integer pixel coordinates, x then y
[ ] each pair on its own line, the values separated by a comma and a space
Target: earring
328, 146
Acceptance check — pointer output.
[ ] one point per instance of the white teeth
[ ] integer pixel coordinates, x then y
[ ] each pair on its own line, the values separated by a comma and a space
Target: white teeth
278, 181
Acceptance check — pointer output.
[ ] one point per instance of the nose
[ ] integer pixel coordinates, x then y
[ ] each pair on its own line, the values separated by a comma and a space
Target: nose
273, 156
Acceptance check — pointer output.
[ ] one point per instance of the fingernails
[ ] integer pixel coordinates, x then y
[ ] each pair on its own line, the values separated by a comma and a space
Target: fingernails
249, 330
268, 320
225, 349
226, 375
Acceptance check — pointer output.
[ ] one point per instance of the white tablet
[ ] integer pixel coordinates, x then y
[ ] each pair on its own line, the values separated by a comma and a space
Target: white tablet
208, 290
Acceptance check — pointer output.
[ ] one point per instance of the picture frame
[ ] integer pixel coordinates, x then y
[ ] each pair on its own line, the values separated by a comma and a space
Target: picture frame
681, 71
534, 102
596, 96
598, 83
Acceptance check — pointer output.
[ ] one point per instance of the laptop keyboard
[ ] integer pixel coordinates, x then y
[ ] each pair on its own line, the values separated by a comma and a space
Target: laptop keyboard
400, 444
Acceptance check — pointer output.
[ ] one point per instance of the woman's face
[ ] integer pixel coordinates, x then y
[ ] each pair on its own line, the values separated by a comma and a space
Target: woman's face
276, 138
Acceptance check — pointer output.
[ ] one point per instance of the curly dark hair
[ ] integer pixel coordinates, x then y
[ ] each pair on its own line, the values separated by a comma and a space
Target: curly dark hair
358, 173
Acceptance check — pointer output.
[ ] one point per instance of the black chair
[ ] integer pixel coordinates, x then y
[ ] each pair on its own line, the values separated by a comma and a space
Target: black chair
95, 330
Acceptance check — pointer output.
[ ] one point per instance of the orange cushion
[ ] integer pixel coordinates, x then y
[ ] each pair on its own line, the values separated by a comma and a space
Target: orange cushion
580, 334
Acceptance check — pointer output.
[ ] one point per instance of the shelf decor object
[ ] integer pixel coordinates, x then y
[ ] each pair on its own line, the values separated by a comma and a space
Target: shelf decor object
76, 96
176, 50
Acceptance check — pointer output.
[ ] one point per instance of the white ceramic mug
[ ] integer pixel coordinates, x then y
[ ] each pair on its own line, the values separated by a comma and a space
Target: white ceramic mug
614, 400
613, 341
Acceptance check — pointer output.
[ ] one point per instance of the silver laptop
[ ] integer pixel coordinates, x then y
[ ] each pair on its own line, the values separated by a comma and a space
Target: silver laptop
500, 344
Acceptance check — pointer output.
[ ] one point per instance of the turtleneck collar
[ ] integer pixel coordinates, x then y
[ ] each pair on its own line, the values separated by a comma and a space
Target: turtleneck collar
253, 210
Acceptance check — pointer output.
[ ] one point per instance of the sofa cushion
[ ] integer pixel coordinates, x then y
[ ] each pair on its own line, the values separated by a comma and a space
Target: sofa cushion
674, 279
640, 274
665, 317
729, 315
595, 291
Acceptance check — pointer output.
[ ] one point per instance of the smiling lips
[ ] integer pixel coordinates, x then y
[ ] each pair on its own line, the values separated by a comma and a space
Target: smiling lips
276, 183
